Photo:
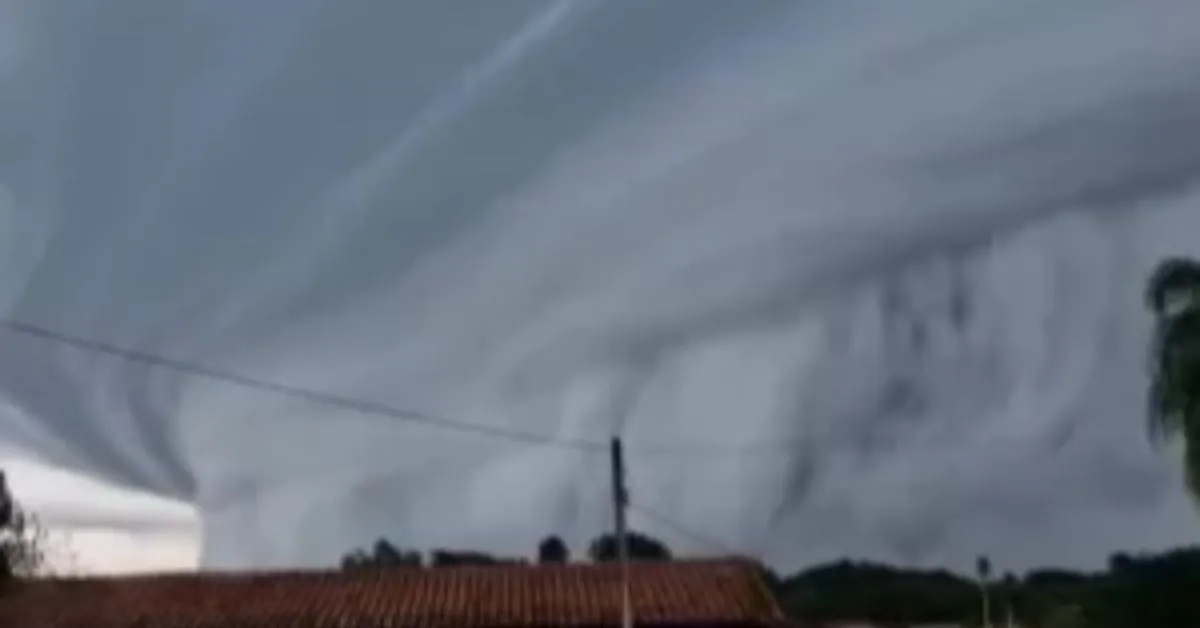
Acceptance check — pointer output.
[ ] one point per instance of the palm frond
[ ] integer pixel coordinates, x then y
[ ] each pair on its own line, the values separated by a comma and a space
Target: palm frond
1191, 459
1161, 422
1174, 279
1173, 399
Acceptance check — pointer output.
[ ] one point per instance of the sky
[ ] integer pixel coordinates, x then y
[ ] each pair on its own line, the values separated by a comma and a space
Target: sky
117, 531
849, 278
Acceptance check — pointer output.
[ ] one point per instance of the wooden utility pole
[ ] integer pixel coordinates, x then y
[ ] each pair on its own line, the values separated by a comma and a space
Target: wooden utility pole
620, 504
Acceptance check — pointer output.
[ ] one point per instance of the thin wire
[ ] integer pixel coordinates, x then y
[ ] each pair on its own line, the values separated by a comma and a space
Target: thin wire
296, 392
694, 448
697, 538
677, 447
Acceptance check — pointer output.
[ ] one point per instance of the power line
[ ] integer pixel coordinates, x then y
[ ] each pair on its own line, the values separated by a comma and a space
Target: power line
304, 394
673, 447
685, 531
697, 447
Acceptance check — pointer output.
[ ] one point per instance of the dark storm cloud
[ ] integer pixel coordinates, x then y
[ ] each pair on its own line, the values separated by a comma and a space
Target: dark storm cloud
850, 279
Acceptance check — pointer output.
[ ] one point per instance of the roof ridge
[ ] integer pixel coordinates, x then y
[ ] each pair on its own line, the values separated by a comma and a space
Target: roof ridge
301, 572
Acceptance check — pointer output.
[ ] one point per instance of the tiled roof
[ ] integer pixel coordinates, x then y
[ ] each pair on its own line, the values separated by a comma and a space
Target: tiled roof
691, 593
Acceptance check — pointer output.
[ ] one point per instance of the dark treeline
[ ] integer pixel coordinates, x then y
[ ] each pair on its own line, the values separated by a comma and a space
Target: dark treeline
1161, 590
552, 549
21, 541
1144, 590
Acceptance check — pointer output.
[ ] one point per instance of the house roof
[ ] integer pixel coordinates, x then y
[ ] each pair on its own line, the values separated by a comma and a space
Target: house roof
674, 593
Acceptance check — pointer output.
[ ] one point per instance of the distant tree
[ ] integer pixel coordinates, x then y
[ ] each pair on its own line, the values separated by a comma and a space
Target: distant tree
552, 550
641, 547
1173, 297
22, 539
382, 555
389, 555
983, 568
1010, 580
847, 591
449, 558
1119, 562
356, 559
1146, 590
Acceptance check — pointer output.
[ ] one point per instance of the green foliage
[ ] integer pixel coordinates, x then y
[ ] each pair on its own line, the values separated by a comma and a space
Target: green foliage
1174, 283
1146, 590
865, 591
1173, 297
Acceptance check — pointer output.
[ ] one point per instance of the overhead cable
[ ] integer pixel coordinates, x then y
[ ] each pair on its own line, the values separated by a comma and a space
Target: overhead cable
297, 392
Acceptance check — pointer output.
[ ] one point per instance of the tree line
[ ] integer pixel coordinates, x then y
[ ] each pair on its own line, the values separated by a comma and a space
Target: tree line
552, 550
1152, 589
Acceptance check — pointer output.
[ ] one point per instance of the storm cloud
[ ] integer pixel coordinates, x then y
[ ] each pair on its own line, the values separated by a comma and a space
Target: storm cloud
848, 277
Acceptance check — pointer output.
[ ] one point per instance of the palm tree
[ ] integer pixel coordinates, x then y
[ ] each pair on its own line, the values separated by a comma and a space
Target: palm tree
1173, 297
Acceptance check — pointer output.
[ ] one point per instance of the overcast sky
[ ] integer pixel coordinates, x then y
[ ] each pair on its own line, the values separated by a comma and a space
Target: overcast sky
97, 527
850, 277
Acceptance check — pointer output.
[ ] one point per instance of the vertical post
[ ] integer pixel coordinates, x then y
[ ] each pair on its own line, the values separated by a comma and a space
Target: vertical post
6, 502
983, 568
620, 503
987, 610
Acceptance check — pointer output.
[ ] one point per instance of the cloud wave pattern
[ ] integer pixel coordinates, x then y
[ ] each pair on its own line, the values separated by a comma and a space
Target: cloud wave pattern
848, 277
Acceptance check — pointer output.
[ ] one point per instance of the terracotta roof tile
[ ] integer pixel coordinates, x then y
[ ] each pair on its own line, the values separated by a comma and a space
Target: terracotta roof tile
693, 593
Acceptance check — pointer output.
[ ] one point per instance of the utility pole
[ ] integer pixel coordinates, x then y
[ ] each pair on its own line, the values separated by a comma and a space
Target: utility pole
983, 569
987, 610
620, 503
